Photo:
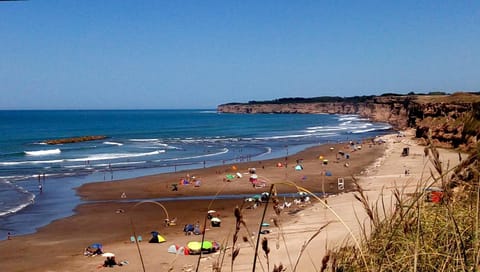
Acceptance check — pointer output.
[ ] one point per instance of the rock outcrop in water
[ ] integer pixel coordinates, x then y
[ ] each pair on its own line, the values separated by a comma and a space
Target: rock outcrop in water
74, 140
451, 120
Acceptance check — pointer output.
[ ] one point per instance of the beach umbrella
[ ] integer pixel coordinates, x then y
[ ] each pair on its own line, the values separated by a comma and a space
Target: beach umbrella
211, 211
96, 245
328, 173
254, 176
249, 199
216, 219
108, 254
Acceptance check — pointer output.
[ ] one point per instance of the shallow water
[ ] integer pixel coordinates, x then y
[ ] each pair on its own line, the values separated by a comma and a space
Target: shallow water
140, 143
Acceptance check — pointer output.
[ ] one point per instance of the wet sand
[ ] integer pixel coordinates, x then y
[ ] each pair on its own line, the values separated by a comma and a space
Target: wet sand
105, 219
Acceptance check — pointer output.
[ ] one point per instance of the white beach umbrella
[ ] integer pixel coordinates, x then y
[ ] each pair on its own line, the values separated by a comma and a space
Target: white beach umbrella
108, 254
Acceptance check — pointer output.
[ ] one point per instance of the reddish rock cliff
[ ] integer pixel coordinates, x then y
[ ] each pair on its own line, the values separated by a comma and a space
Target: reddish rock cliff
442, 117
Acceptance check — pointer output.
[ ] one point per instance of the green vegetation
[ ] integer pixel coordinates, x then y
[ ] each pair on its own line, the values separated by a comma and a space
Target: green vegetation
430, 97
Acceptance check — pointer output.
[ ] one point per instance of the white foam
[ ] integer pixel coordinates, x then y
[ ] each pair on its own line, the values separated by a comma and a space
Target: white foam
144, 140
112, 156
29, 201
30, 162
224, 150
119, 163
43, 152
113, 143
363, 130
268, 151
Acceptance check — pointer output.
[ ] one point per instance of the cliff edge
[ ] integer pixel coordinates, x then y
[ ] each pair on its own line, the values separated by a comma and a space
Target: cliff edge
451, 120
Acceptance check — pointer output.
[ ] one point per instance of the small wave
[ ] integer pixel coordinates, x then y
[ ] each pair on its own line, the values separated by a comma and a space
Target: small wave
224, 150
267, 151
323, 129
30, 162
364, 130
113, 143
43, 152
284, 137
113, 156
18, 208
28, 201
144, 140
119, 163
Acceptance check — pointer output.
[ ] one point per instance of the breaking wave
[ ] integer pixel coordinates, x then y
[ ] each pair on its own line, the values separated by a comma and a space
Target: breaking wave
43, 152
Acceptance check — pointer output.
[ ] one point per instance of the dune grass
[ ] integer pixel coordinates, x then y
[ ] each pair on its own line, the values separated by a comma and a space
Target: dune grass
408, 234
420, 235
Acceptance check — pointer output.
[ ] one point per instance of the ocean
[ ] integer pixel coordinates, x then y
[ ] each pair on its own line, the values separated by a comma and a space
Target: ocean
37, 180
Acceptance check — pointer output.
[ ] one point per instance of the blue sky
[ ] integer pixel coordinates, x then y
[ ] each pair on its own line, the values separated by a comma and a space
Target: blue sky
110, 54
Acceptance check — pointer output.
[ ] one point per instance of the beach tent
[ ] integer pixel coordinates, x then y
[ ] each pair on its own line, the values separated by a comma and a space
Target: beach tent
328, 173
175, 249
298, 167
156, 238
93, 249
230, 176
195, 247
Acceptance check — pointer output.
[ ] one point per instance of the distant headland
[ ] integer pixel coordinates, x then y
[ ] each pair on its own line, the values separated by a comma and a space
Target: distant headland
451, 119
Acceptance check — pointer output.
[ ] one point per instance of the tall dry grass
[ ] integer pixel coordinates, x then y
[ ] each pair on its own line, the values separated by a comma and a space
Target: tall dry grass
416, 236
420, 235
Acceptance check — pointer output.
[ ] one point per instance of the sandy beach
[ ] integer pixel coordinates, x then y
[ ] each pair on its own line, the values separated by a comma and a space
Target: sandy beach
111, 219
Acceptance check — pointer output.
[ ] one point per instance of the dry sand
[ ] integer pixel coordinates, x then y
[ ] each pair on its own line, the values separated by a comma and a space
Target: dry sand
59, 246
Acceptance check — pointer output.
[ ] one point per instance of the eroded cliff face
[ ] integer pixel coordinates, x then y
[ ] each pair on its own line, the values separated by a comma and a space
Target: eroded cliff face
392, 110
443, 119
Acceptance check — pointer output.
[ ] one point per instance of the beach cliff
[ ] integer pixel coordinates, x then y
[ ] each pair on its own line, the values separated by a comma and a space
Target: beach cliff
451, 120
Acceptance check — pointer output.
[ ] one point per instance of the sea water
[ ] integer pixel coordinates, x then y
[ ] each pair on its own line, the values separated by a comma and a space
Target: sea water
37, 180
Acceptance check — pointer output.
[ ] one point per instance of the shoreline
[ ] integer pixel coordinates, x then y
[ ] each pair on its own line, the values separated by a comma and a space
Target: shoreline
101, 215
